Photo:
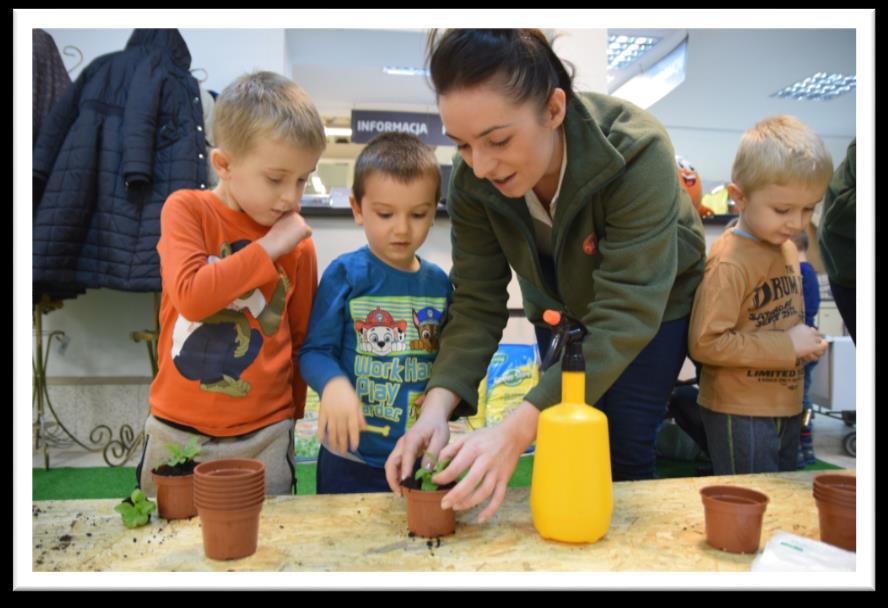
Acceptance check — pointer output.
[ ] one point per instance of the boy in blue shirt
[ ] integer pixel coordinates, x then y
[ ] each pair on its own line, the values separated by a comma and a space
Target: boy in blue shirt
811, 293
373, 332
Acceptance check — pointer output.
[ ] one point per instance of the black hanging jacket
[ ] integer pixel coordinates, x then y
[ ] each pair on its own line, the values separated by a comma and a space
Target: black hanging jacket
127, 133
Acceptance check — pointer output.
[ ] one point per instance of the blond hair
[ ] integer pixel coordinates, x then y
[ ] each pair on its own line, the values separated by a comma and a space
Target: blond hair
265, 104
401, 156
781, 150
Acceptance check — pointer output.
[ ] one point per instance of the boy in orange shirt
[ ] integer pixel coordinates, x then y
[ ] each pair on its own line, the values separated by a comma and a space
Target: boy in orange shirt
239, 275
748, 327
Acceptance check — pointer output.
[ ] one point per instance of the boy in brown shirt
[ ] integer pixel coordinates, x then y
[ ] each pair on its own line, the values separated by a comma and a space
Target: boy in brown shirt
748, 327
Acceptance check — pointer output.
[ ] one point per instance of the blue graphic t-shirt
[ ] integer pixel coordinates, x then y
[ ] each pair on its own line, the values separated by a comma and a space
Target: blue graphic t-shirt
378, 326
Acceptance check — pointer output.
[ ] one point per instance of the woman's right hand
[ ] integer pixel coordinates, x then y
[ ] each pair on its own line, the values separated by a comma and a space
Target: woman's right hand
430, 433
489, 456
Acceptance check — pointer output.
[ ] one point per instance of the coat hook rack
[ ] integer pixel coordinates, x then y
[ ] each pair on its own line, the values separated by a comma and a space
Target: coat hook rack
73, 51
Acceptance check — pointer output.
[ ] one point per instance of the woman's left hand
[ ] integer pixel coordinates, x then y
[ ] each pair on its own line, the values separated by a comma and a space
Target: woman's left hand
490, 455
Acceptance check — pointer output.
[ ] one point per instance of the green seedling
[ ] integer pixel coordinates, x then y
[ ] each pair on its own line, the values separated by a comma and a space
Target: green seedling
425, 475
135, 510
182, 454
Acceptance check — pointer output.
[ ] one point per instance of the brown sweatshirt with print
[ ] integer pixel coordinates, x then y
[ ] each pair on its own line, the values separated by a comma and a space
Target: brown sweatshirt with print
751, 294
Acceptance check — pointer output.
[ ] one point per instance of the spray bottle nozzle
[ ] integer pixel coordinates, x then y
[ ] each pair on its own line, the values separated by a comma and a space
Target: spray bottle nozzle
566, 333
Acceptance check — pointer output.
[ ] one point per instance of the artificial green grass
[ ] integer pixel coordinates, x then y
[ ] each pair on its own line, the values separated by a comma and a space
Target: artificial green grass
118, 482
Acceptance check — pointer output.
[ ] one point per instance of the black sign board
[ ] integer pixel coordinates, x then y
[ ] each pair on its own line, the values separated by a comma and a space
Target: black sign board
368, 124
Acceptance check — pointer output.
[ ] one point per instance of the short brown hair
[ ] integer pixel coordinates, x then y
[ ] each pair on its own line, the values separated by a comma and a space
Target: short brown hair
781, 150
401, 156
265, 104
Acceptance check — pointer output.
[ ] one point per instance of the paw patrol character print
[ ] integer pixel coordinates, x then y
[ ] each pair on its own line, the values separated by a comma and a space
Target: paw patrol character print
215, 351
428, 325
381, 334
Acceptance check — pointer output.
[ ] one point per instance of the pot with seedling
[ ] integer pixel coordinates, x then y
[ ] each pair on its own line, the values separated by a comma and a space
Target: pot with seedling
425, 517
174, 478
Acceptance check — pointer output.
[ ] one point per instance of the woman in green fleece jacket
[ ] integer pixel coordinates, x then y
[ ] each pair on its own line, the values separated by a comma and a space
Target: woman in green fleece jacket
580, 197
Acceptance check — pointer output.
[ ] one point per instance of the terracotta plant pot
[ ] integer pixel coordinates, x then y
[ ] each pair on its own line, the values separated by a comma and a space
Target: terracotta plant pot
839, 487
231, 486
228, 501
230, 534
229, 495
231, 465
425, 517
175, 496
733, 517
223, 491
836, 498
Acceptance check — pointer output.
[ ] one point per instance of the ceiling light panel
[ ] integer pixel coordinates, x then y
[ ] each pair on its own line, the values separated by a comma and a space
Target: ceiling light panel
819, 87
399, 71
624, 50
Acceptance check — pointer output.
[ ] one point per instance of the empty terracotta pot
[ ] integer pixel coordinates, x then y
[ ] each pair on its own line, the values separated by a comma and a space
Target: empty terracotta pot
230, 533
229, 501
425, 517
734, 517
231, 486
230, 467
232, 475
842, 488
836, 497
222, 491
175, 496
229, 495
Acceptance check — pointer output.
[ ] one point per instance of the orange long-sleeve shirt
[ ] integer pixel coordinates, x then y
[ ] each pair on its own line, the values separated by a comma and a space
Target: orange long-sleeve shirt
231, 320
750, 296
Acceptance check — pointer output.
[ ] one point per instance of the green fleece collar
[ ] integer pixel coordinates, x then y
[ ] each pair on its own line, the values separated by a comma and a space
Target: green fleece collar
594, 160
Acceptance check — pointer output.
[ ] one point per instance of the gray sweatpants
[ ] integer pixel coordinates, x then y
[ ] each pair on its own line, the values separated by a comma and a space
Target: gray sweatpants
273, 445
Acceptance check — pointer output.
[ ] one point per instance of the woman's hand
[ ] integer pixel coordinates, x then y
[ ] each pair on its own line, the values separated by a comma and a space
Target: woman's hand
430, 433
491, 456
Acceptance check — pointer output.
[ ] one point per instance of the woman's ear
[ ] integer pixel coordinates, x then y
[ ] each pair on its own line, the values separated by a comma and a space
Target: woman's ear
556, 108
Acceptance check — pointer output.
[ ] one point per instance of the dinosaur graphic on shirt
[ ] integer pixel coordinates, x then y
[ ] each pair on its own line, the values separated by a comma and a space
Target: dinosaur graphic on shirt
216, 351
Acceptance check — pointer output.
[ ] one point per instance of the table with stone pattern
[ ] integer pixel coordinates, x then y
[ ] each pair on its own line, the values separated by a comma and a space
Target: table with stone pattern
656, 526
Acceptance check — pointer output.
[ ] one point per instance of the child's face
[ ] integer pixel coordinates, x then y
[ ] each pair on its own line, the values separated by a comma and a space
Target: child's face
267, 181
776, 213
396, 217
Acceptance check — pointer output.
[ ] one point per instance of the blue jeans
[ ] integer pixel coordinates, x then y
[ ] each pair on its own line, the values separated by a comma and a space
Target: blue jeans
740, 445
686, 411
635, 404
337, 475
807, 431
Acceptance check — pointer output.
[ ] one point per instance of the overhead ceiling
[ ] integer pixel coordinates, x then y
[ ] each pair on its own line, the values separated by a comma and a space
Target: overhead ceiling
730, 75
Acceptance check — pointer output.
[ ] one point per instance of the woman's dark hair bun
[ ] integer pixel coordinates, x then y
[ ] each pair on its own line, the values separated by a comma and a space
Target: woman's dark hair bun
521, 59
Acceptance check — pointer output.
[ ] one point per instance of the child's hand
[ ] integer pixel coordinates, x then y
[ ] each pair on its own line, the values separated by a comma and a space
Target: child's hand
807, 342
285, 234
340, 419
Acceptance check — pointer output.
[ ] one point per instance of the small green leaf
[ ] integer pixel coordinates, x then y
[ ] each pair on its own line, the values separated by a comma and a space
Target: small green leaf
179, 454
425, 475
192, 449
138, 513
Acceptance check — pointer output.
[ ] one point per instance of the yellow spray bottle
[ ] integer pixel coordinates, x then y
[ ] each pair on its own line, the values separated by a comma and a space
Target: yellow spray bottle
571, 496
